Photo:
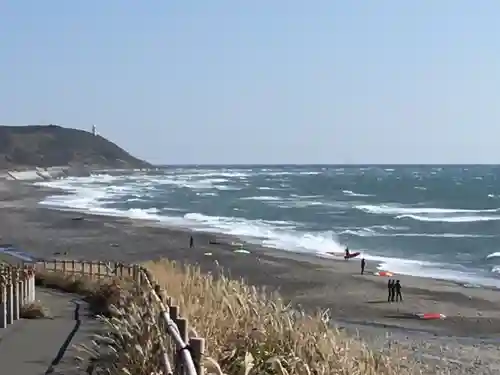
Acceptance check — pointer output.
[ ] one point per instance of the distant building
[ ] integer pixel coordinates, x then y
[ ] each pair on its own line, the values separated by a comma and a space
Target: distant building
94, 130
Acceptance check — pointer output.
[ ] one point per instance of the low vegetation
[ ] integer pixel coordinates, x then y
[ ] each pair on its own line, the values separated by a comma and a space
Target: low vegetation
247, 330
100, 294
34, 310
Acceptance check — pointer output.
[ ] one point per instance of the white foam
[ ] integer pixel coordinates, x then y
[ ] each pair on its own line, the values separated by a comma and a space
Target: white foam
350, 193
208, 194
135, 200
227, 187
298, 204
303, 201
236, 226
271, 173
365, 232
493, 255
309, 173
289, 238
370, 232
398, 210
305, 196
435, 271
190, 183
439, 235
215, 173
271, 188
89, 195
453, 219
261, 198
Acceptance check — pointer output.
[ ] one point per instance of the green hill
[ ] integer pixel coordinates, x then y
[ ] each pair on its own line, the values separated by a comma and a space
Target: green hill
52, 145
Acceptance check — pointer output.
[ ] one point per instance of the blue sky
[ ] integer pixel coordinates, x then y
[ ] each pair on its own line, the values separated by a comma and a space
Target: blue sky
259, 81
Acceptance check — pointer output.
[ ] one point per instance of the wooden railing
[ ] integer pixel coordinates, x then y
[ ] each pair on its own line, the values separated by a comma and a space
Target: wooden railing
17, 289
187, 355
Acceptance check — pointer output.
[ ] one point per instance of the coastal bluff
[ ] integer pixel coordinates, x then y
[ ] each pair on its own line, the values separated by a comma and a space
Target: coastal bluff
42, 147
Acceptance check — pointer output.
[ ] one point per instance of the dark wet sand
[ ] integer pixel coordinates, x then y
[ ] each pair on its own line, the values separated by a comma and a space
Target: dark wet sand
356, 302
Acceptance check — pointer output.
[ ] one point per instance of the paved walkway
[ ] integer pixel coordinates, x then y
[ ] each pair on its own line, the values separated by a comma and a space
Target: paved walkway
45, 346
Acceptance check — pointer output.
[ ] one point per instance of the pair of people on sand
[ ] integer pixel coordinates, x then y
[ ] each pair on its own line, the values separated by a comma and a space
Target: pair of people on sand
394, 291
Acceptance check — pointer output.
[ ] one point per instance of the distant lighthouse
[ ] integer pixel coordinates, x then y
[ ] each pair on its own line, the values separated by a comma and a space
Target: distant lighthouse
94, 130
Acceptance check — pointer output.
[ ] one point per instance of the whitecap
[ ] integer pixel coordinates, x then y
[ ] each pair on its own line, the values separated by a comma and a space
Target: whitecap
398, 210
455, 219
261, 198
351, 193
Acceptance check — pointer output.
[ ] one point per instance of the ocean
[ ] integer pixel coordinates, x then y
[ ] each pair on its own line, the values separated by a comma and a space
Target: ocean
433, 221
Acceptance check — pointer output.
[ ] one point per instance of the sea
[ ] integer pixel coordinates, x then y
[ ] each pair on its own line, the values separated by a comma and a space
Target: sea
440, 222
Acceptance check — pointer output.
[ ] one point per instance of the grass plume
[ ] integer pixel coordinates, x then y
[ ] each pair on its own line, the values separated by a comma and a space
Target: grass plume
247, 330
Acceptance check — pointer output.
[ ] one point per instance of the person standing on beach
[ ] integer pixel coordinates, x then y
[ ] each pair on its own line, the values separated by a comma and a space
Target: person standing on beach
346, 256
363, 265
390, 291
191, 242
397, 290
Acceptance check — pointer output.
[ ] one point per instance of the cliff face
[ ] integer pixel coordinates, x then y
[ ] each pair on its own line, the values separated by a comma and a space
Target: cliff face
51, 145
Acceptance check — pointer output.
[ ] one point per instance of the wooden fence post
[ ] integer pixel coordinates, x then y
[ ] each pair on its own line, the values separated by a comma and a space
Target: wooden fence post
3, 303
121, 269
32, 292
26, 279
174, 315
26, 286
10, 307
15, 296
197, 345
22, 295
138, 275
182, 325
174, 312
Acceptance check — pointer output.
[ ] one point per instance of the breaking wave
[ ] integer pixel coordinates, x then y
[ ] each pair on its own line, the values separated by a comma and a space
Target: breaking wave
173, 198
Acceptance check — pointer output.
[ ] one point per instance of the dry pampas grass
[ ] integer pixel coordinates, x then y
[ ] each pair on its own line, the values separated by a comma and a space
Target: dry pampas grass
247, 332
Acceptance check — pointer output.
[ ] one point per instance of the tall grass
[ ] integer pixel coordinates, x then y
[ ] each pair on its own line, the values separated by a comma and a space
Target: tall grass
247, 330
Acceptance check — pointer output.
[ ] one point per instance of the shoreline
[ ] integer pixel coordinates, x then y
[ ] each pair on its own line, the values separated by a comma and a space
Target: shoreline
465, 279
356, 303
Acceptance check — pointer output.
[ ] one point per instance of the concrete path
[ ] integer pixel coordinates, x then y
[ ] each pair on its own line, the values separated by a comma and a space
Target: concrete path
45, 346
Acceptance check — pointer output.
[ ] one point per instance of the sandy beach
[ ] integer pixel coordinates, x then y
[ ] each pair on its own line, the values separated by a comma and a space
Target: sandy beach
465, 342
